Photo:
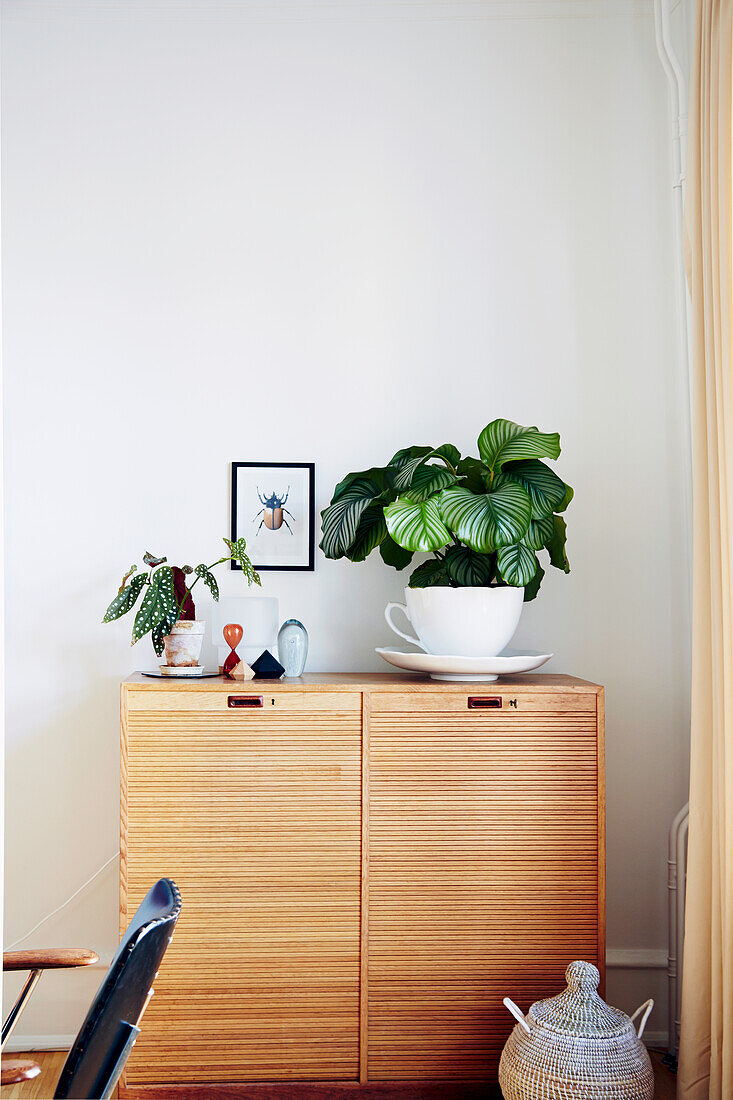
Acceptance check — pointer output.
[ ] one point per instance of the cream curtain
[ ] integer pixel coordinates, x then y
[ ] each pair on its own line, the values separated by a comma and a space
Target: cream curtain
706, 1053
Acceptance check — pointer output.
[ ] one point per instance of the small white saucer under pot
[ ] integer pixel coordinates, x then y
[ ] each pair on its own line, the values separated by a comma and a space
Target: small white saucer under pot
442, 667
181, 670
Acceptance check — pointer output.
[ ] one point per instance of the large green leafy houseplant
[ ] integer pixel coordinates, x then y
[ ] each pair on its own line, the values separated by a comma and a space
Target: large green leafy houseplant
485, 519
167, 594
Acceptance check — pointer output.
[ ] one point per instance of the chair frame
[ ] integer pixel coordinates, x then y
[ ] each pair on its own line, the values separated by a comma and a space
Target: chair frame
36, 962
109, 1031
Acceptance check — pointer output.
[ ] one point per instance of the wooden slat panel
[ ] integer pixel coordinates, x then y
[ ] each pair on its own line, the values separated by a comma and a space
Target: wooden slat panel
456, 702
478, 867
274, 699
483, 874
257, 816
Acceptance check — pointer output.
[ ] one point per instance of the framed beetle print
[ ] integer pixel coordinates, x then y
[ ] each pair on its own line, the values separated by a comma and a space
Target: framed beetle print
273, 508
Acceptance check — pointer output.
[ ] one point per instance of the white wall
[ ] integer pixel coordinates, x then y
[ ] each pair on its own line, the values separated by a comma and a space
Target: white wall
323, 231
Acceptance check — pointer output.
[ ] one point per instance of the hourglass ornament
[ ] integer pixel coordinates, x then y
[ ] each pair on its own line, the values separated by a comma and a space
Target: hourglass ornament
232, 636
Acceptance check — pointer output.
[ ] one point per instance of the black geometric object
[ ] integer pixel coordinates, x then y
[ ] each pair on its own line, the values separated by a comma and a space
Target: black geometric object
266, 667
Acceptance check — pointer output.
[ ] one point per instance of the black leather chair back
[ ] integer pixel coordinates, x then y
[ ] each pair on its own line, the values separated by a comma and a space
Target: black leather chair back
108, 1033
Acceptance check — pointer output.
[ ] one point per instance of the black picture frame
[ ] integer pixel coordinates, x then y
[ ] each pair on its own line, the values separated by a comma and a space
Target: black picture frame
311, 512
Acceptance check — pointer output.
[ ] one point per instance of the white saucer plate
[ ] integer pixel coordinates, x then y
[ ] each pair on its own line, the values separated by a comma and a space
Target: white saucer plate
442, 667
178, 671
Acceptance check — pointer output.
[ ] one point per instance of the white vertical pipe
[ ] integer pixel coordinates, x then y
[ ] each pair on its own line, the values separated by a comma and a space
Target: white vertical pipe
675, 887
682, 835
678, 96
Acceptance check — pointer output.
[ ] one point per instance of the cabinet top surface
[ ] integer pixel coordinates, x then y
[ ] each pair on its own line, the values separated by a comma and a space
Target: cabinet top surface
367, 681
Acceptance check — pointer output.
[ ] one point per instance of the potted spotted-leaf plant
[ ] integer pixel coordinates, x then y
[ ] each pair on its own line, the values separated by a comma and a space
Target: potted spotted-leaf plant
166, 610
486, 522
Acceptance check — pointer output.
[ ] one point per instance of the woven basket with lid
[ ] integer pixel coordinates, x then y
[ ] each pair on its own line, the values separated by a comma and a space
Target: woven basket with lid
576, 1047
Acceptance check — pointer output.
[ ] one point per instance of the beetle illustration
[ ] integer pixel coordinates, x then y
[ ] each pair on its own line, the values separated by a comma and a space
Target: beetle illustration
273, 513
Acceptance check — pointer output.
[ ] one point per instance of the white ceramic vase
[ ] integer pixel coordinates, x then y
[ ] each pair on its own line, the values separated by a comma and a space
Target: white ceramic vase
183, 644
460, 622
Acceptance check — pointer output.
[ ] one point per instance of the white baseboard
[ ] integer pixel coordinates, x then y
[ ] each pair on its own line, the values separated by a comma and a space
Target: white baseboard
632, 958
40, 1042
657, 1040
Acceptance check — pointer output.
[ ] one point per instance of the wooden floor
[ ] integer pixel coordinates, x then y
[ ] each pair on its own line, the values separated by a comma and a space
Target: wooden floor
665, 1082
43, 1086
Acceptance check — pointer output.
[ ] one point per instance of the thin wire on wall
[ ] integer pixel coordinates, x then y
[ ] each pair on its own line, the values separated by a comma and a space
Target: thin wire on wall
63, 905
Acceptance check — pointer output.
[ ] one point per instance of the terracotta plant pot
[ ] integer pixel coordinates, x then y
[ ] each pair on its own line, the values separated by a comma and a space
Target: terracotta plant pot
183, 644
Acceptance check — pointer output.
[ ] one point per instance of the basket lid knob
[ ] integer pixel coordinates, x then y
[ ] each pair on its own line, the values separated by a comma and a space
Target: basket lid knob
578, 1010
582, 976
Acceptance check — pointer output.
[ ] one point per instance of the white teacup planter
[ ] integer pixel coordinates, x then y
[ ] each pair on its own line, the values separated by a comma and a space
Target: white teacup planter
485, 520
460, 622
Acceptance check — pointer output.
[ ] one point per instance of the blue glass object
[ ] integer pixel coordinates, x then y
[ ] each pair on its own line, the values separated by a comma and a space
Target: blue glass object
292, 647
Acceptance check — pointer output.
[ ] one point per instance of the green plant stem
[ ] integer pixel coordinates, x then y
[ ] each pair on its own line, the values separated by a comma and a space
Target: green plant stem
198, 578
452, 468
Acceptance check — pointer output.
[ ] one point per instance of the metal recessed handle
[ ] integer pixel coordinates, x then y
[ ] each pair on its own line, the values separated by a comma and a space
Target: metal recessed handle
484, 702
246, 701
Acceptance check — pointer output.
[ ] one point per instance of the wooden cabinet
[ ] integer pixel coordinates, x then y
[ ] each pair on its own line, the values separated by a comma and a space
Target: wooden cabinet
368, 864
483, 871
257, 816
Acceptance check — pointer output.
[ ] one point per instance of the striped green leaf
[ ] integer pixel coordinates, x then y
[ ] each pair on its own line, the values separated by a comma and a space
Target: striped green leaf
468, 569
416, 525
372, 530
428, 480
485, 521
517, 564
403, 465
569, 494
394, 555
532, 588
545, 489
431, 574
412, 467
449, 452
125, 600
539, 533
504, 441
340, 521
376, 475
556, 545
474, 475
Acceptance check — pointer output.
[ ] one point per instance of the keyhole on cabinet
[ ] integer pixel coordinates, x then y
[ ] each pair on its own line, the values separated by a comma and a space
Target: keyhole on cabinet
512, 702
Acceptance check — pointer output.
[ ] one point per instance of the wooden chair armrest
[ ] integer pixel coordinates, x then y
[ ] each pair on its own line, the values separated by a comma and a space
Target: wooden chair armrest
48, 959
